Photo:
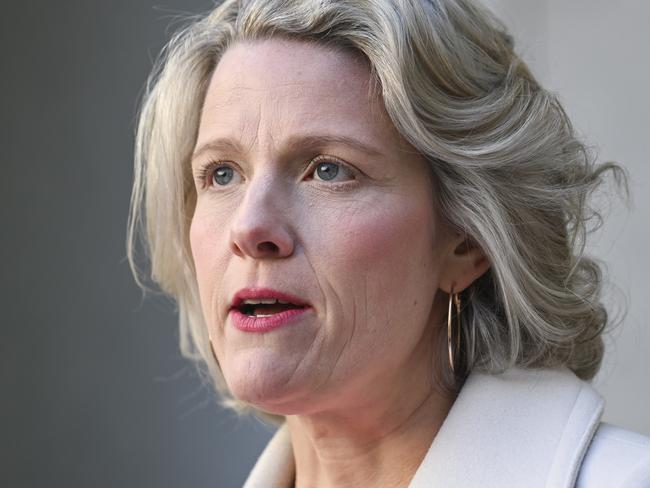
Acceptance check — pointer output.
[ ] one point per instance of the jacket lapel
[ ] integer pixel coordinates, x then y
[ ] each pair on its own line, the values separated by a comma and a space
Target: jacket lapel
276, 466
520, 428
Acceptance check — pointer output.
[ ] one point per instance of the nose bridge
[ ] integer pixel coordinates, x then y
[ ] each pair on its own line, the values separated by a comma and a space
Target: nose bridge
262, 197
261, 226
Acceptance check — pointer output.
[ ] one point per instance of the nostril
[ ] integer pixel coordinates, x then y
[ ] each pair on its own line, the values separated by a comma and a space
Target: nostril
267, 247
261, 241
236, 249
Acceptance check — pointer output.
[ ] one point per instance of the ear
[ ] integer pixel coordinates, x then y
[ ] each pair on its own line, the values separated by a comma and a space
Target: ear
465, 262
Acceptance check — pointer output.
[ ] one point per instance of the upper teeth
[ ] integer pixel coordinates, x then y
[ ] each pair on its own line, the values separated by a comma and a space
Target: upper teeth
263, 301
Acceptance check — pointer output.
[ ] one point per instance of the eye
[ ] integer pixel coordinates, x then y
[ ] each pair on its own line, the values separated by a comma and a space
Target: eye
217, 174
328, 170
222, 175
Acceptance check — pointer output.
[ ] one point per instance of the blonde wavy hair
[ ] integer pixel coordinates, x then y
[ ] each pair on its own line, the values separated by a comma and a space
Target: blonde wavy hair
509, 170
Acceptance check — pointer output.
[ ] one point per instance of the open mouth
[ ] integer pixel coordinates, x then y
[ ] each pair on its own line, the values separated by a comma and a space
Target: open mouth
265, 307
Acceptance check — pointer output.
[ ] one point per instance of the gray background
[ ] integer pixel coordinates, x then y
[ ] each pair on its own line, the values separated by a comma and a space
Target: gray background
93, 390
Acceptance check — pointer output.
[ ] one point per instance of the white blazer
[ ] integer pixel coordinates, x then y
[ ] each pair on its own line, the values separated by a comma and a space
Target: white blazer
520, 429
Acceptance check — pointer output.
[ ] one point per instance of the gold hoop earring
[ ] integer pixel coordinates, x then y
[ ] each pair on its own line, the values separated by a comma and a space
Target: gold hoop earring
456, 300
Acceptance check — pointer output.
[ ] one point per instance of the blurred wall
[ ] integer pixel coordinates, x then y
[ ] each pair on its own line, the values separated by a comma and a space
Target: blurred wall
595, 55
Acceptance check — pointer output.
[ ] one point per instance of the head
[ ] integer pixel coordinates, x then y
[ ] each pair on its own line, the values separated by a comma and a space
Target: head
316, 193
369, 158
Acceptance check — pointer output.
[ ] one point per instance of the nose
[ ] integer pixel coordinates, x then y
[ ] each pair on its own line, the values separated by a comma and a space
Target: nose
261, 227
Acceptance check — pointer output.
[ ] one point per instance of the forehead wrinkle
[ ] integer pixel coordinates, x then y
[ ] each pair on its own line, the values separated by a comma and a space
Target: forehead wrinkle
238, 91
267, 119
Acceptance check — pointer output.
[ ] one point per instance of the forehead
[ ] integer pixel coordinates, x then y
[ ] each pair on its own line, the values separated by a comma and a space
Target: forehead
287, 86
287, 64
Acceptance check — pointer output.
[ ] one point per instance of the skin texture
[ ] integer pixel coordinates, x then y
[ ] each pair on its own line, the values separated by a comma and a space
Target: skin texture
367, 250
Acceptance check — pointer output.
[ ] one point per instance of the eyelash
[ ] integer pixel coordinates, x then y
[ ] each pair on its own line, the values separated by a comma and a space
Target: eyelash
206, 171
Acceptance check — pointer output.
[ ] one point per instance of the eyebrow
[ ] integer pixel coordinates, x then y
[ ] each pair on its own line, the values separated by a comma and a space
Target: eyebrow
293, 143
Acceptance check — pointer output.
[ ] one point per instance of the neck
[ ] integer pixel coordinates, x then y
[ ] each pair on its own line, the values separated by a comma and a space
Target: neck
378, 440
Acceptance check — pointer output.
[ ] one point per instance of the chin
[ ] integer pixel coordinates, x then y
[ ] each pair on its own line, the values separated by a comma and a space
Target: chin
266, 381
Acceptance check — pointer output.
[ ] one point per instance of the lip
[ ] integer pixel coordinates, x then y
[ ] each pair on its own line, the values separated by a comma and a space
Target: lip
247, 323
260, 292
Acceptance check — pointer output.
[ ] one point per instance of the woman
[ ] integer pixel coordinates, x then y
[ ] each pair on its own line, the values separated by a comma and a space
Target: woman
372, 218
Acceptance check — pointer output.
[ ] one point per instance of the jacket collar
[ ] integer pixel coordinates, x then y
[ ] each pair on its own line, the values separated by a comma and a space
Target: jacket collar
524, 427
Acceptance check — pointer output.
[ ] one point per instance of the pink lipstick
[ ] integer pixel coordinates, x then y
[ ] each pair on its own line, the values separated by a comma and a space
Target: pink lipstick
264, 309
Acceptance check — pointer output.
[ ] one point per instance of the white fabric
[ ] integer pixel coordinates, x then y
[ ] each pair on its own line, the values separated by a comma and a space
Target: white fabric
617, 458
523, 428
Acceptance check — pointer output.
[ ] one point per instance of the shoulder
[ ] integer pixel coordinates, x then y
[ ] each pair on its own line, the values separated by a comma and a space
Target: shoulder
616, 458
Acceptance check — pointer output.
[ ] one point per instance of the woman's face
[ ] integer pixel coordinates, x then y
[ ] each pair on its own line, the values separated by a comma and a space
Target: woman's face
305, 187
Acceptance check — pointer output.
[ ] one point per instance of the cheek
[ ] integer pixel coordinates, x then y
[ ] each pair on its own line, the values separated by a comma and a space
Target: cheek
380, 264
392, 238
207, 245
208, 233
396, 251
384, 269
199, 243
